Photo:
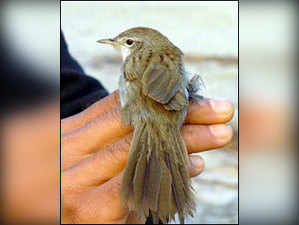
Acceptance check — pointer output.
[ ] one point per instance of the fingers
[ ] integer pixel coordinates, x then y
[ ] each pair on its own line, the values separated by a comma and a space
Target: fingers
197, 165
90, 208
98, 108
101, 132
209, 111
200, 138
107, 128
108, 162
100, 166
101, 204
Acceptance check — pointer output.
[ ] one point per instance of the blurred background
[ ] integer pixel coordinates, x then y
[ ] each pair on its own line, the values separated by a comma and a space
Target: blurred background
207, 33
268, 67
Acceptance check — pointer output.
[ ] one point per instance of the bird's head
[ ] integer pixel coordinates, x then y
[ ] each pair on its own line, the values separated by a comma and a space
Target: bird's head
138, 39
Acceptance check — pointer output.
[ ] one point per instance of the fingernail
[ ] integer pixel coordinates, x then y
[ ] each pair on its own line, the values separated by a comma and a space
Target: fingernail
221, 130
197, 163
220, 105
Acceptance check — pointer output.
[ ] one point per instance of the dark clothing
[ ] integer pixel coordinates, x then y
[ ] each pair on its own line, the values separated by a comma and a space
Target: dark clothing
77, 90
21, 86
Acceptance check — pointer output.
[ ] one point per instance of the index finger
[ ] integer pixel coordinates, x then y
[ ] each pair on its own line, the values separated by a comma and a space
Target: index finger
84, 117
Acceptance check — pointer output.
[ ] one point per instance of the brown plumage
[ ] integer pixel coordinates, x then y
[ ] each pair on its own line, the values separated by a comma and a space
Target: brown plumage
154, 94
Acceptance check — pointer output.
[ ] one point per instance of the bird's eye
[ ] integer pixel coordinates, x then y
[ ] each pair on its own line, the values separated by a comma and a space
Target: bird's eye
129, 42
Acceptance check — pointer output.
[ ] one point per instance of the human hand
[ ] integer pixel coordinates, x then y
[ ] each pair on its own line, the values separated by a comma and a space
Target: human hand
94, 151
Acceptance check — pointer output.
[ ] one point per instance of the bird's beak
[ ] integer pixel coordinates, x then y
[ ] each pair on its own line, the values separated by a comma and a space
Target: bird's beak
107, 41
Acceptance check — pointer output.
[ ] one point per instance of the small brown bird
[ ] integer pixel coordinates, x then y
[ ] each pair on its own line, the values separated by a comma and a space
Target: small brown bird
154, 94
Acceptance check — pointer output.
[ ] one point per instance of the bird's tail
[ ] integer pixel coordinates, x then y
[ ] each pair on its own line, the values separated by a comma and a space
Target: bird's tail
156, 178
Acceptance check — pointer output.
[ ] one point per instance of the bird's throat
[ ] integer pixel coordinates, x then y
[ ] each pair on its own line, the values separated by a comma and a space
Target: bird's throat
125, 52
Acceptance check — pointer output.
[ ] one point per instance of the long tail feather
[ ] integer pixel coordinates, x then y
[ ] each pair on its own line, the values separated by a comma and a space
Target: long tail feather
156, 179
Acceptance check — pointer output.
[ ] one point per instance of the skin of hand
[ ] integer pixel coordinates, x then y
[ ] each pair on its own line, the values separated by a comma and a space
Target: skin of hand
94, 151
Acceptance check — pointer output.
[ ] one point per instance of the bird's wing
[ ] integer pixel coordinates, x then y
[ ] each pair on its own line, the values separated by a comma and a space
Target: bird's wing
161, 80
179, 100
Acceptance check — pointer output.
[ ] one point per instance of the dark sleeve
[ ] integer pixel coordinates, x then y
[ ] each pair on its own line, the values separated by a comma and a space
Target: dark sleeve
77, 90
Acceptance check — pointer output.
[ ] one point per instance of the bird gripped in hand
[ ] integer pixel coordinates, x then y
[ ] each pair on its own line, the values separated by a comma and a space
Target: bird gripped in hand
154, 94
